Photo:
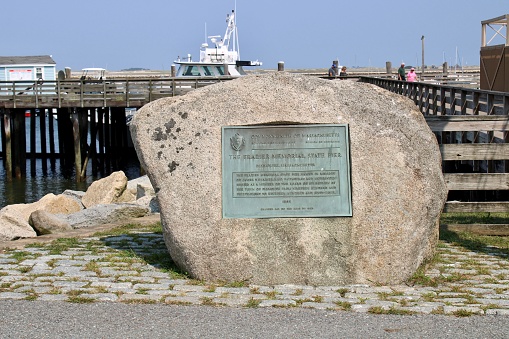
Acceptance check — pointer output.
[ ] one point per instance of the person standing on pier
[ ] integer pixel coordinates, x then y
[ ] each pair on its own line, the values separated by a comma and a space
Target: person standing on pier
343, 72
401, 72
333, 71
411, 76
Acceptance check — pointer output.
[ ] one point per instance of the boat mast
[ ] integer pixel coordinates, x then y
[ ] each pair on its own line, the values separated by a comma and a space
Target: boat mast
231, 29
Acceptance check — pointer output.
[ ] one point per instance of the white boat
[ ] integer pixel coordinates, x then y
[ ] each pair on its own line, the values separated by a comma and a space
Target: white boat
223, 58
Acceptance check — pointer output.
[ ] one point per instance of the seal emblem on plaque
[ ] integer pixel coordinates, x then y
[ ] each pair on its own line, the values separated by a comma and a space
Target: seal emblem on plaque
237, 142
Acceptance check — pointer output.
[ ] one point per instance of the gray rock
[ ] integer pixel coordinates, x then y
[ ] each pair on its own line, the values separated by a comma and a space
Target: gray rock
150, 202
103, 214
14, 219
144, 189
398, 189
132, 185
107, 190
46, 223
13, 226
76, 195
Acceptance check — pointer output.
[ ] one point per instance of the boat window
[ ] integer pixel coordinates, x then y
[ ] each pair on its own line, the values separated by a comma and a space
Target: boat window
192, 71
206, 70
220, 70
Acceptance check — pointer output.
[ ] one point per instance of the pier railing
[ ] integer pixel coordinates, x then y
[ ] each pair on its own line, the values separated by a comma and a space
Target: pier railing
96, 93
472, 128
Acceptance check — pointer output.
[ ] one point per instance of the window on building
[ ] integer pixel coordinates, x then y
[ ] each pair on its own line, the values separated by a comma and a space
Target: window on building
38, 73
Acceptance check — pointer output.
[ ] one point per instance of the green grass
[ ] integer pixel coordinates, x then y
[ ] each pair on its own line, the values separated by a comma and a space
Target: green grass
129, 228
474, 218
19, 256
62, 244
478, 243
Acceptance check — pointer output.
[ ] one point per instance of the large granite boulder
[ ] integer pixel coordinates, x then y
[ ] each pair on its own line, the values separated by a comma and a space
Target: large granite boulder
397, 186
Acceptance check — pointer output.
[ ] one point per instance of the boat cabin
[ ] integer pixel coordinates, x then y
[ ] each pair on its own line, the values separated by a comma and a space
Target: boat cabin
222, 58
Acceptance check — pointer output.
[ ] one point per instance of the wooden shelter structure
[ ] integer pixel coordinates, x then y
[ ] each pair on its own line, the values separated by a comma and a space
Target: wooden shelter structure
495, 57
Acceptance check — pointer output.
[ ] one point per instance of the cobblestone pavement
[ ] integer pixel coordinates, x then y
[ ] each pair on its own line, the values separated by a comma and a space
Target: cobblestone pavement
134, 268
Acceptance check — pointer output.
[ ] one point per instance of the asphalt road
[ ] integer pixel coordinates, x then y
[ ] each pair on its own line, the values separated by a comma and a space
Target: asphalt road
39, 319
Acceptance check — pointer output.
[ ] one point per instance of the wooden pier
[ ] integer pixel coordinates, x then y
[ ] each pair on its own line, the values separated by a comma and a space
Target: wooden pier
94, 110
472, 129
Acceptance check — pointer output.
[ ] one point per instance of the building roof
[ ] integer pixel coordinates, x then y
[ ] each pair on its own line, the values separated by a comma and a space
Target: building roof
27, 60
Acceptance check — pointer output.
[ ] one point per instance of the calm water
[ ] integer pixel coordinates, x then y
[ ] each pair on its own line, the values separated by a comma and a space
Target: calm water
56, 180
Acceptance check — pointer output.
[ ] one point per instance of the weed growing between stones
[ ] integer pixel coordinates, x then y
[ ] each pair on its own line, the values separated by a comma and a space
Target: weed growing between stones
139, 301
298, 292
342, 291
20, 256
210, 288
344, 305
208, 301
62, 244
271, 294
80, 300
25, 269
253, 303
93, 267
463, 313
317, 298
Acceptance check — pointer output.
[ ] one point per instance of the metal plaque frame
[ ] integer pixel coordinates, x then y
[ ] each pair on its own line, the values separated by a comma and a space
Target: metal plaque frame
286, 171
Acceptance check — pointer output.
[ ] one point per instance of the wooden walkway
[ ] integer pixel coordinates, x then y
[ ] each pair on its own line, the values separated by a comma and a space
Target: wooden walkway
96, 93
472, 128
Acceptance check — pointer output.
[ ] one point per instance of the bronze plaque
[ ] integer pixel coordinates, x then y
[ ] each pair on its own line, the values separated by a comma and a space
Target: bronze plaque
286, 171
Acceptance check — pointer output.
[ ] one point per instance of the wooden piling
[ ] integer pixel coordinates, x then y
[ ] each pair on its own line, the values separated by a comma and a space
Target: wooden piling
77, 144
51, 137
107, 140
100, 137
32, 142
92, 150
42, 130
281, 66
7, 144
19, 143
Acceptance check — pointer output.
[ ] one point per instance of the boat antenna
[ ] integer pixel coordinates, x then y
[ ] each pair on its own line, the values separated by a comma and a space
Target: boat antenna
236, 33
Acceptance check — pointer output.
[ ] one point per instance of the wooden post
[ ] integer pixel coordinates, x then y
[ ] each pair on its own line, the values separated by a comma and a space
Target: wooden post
388, 67
32, 142
7, 145
107, 140
92, 150
42, 125
77, 144
281, 66
19, 143
445, 68
173, 71
100, 129
51, 131
422, 70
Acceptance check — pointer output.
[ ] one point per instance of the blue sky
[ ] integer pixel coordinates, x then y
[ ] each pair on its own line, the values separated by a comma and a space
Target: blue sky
120, 34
